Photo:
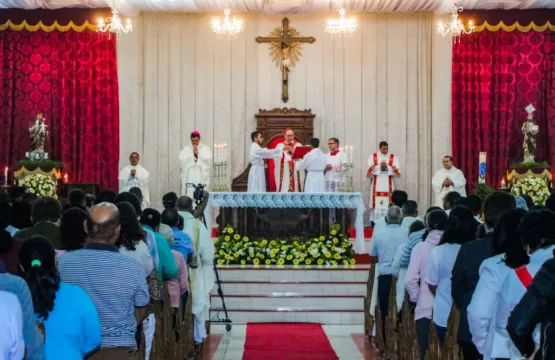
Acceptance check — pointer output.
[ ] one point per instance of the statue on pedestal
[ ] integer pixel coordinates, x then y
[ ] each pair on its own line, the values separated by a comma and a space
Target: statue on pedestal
529, 130
38, 132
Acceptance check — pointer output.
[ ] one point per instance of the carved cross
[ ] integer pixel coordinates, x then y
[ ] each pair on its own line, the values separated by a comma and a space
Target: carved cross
285, 49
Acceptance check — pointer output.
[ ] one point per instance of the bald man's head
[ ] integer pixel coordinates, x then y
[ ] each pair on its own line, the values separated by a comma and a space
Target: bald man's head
185, 203
103, 224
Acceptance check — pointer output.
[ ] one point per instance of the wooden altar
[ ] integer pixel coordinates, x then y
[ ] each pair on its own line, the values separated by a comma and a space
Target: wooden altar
272, 123
515, 174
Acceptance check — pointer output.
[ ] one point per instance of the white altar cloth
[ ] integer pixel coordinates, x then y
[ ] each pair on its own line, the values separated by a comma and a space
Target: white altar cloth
296, 200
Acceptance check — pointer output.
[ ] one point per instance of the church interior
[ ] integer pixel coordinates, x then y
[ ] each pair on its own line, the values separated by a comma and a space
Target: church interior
276, 139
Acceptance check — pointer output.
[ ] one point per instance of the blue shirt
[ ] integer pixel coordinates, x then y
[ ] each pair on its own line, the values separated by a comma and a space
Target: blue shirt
414, 238
151, 240
182, 243
116, 285
385, 244
72, 329
33, 341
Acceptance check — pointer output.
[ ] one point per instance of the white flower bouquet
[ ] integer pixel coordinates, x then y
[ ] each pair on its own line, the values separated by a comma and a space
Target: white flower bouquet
533, 186
39, 184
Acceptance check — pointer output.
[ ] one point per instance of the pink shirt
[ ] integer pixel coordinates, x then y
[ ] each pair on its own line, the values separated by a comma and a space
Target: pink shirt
178, 287
415, 278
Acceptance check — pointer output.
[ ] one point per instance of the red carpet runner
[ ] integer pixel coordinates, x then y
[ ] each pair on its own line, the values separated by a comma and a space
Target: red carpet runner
287, 342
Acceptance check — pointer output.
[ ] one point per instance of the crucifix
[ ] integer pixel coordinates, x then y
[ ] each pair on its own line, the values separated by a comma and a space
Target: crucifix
285, 50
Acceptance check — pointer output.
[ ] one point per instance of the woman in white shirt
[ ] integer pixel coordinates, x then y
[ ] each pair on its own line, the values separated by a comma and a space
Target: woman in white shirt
537, 230
510, 255
132, 240
461, 228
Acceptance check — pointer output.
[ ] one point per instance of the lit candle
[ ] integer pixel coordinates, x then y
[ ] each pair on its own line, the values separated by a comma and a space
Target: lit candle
215, 153
65, 178
6, 174
225, 152
502, 183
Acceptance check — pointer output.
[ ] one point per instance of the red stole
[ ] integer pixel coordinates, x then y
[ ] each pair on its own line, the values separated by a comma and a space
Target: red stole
291, 165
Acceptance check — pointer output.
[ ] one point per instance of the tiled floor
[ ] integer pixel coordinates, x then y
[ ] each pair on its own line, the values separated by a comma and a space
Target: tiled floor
348, 341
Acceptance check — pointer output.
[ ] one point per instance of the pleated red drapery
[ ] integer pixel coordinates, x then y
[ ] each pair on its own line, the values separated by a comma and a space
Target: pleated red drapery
71, 78
495, 76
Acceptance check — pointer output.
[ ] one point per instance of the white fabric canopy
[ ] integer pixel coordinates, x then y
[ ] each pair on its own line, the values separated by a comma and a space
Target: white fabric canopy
133, 7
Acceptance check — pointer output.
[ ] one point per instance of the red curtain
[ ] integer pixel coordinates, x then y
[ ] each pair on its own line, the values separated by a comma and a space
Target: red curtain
495, 76
71, 78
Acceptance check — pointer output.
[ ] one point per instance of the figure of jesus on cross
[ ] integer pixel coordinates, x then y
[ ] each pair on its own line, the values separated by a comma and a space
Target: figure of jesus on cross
285, 50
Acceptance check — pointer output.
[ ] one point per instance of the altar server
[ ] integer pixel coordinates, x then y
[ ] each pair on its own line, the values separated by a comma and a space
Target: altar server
196, 162
382, 166
135, 175
334, 166
314, 163
448, 179
257, 154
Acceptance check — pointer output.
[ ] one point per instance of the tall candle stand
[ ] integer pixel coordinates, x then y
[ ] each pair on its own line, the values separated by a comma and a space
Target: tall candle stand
347, 178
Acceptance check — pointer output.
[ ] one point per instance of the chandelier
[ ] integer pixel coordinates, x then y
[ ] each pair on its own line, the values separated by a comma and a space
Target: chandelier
342, 25
114, 25
455, 27
229, 27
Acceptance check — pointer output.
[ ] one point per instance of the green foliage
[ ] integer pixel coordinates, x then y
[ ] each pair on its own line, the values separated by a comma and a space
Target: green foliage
483, 190
40, 164
529, 164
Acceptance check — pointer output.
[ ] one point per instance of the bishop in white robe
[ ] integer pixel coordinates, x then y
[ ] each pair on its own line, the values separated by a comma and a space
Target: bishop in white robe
448, 179
196, 162
202, 279
135, 175
287, 179
257, 154
334, 166
382, 167
314, 163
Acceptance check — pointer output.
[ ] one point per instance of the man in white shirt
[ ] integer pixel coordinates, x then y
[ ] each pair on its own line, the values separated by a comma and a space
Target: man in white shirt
135, 175
257, 154
12, 344
196, 162
314, 163
448, 179
334, 167
382, 167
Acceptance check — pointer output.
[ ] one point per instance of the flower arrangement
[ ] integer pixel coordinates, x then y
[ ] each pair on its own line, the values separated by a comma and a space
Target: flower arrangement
533, 186
331, 250
39, 184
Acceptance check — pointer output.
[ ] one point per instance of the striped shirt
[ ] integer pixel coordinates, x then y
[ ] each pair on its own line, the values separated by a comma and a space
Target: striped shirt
116, 285
414, 238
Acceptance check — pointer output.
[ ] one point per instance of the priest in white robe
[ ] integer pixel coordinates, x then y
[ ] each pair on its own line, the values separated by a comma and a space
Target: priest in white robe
196, 162
202, 279
334, 166
314, 163
448, 179
287, 179
257, 154
382, 167
135, 175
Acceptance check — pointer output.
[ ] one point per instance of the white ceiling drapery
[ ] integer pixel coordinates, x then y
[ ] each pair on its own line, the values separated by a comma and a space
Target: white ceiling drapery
133, 7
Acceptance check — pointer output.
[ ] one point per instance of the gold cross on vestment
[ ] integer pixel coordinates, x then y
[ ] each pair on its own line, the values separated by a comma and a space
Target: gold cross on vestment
285, 50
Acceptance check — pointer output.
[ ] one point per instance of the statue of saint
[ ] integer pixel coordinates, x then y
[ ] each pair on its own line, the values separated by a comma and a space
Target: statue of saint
38, 133
529, 130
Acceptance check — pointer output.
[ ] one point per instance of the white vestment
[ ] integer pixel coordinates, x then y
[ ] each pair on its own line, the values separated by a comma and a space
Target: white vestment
381, 182
314, 163
196, 171
334, 176
202, 278
287, 179
456, 176
257, 176
140, 180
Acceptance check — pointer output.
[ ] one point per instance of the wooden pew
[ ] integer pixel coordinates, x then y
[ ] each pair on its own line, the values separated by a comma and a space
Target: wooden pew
369, 319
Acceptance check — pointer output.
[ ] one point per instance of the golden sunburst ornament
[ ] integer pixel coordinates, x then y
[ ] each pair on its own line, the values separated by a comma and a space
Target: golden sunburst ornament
276, 47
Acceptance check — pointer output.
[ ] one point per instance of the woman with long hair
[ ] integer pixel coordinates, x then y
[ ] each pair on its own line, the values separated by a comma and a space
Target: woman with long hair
537, 231
65, 314
509, 255
419, 293
132, 241
461, 227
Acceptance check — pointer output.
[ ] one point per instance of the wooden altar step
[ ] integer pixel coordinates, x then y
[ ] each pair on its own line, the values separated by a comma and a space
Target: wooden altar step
332, 296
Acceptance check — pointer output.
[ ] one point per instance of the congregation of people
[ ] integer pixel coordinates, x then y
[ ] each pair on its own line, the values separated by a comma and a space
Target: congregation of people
492, 260
82, 278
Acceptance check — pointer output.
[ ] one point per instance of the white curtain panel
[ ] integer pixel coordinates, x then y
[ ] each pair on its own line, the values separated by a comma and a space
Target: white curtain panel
391, 80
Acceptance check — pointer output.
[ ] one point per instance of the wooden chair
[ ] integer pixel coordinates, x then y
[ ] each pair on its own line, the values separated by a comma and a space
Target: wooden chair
434, 347
368, 318
451, 349
392, 331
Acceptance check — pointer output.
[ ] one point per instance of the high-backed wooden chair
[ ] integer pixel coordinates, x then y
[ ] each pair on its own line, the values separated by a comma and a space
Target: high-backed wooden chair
434, 347
451, 349
369, 319
391, 327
